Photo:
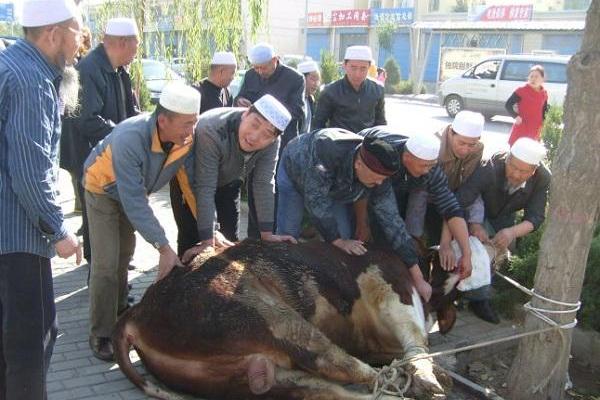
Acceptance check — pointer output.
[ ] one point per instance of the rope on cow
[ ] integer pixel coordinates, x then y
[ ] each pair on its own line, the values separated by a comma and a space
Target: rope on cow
389, 379
388, 375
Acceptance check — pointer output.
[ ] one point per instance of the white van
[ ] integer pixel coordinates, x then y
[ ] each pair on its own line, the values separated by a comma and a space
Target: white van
486, 86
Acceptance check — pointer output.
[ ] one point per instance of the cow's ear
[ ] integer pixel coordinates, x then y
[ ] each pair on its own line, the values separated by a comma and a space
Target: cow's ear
446, 318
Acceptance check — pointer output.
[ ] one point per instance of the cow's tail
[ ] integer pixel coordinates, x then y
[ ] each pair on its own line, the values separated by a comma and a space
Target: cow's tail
123, 338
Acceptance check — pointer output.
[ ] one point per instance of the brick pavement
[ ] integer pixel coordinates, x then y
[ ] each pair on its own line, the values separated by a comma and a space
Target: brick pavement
76, 374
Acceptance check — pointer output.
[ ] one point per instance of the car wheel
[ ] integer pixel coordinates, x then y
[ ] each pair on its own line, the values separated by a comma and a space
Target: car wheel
453, 104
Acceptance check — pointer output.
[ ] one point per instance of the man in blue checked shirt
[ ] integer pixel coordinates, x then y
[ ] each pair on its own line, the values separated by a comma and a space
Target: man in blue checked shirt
37, 82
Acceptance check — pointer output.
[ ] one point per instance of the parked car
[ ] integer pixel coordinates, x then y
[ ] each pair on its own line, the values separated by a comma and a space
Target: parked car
8, 40
178, 65
486, 86
156, 76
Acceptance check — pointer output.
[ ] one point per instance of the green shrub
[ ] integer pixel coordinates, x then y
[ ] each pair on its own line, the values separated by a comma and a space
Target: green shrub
552, 131
392, 69
329, 68
590, 296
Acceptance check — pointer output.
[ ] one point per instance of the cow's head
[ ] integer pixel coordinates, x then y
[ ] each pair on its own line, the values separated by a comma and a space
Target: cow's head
444, 284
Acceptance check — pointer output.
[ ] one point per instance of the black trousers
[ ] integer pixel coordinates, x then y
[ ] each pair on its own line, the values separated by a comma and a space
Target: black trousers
28, 325
227, 203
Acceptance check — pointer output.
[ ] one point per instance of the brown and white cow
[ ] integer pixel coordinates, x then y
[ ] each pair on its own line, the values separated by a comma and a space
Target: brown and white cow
278, 321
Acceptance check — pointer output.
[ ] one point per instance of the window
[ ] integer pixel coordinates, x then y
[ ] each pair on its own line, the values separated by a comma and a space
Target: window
519, 70
577, 4
375, 4
434, 6
486, 70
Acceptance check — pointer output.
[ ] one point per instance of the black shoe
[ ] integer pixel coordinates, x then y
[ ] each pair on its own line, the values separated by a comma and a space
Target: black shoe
130, 300
102, 348
131, 267
484, 310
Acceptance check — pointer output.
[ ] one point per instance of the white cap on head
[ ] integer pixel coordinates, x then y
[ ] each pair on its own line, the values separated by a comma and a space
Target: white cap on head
47, 12
361, 53
223, 58
121, 27
273, 111
261, 53
424, 146
306, 67
528, 150
469, 124
180, 98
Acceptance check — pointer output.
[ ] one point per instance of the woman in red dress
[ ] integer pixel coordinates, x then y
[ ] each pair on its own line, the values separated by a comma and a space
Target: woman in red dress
528, 105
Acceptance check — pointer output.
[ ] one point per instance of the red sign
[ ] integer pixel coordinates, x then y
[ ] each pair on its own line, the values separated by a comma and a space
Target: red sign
350, 17
315, 19
508, 13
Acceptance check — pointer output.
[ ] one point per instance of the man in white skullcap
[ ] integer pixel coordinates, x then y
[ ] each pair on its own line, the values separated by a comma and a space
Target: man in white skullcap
37, 84
269, 76
231, 143
460, 153
312, 77
138, 157
419, 169
214, 89
353, 102
508, 182
106, 98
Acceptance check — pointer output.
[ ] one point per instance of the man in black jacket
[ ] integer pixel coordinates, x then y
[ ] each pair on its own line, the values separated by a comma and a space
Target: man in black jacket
213, 90
106, 94
353, 102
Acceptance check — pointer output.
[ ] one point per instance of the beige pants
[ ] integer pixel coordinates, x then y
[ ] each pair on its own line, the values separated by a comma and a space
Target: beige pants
112, 242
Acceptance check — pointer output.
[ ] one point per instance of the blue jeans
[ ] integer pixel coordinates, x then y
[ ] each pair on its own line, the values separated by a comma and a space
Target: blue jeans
290, 208
28, 321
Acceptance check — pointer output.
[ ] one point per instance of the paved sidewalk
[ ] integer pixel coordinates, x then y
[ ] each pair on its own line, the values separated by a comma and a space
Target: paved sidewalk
76, 374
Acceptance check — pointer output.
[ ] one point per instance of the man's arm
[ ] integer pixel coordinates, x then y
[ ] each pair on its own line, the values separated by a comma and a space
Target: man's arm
206, 167
324, 110
90, 123
29, 131
380, 112
127, 164
318, 203
295, 100
264, 187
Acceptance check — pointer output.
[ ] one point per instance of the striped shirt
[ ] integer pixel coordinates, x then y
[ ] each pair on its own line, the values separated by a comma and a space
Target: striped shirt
31, 220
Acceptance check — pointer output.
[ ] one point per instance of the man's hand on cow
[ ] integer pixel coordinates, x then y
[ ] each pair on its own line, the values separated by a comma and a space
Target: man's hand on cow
352, 247
503, 238
243, 102
447, 259
168, 259
362, 232
464, 267
191, 253
479, 232
424, 289
220, 240
68, 246
270, 237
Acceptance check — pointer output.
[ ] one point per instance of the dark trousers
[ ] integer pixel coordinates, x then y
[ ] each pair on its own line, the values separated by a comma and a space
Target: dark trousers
227, 203
85, 230
29, 327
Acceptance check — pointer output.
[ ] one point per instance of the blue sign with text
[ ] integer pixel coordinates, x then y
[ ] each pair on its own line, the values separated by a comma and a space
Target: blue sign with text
7, 12
398, 16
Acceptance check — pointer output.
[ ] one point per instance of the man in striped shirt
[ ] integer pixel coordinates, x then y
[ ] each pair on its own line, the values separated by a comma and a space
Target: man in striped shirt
36, 84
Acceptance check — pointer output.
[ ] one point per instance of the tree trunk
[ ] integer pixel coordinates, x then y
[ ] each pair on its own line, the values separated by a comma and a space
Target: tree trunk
539, 369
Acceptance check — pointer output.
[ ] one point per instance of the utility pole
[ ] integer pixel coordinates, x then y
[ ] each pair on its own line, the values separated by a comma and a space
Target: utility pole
305, 27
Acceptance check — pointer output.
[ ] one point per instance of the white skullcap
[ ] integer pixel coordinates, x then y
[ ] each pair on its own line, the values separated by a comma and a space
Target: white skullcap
424, 146
121, 27
47, 12
308, 66
361, 53
528, 150
469, 124
180, 98
273, 111
223, 58
261, 53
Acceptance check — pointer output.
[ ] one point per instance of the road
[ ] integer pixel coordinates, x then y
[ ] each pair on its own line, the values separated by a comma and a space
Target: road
411, 117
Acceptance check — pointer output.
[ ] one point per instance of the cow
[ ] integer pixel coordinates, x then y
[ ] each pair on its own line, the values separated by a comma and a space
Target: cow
266, 320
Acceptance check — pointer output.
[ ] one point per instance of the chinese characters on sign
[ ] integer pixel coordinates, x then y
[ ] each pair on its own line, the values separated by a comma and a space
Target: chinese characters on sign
315, 19
397, 16
508, 13
350, 17
455, 60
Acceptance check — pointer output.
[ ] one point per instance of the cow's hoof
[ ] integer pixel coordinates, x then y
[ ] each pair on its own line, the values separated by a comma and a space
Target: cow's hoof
424, 381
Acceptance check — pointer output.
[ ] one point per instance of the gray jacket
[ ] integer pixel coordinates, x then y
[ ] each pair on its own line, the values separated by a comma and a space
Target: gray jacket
218, 160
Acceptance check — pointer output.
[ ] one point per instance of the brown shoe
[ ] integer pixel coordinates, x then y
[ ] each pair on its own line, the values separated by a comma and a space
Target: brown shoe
102, 348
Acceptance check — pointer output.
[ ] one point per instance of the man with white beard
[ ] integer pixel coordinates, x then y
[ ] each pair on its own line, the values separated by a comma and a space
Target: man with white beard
37, 83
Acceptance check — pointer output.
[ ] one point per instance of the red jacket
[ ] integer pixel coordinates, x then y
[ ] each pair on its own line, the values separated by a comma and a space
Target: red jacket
531, 106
